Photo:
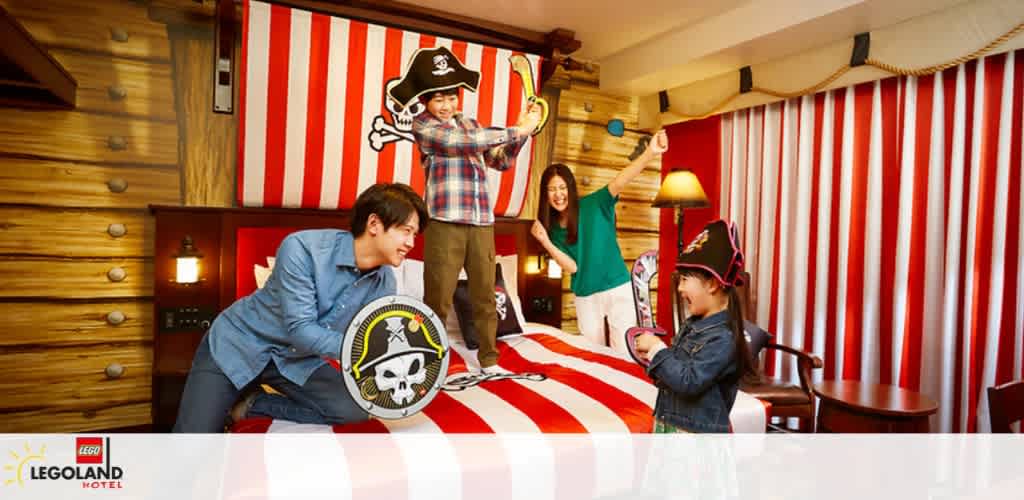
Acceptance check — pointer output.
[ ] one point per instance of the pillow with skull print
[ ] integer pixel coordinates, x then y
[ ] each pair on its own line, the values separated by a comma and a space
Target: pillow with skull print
508, 318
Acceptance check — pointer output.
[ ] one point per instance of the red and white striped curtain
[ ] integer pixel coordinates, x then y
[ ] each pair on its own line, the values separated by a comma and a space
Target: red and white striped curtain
313, 103
882, 226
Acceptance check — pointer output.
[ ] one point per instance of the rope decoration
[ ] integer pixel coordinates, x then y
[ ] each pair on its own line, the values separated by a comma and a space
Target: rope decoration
891, 68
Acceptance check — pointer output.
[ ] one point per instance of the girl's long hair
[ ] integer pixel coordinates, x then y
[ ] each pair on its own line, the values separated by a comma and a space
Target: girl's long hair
746, 366
546, 214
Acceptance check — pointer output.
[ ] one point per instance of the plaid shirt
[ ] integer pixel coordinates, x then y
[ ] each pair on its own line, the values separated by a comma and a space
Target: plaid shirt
455, 156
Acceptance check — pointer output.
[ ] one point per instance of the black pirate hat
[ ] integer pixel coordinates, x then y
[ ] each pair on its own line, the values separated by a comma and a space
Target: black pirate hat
716, 250
433, 70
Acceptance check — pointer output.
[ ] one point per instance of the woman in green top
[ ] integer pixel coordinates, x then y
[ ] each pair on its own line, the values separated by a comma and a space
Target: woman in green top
579, 233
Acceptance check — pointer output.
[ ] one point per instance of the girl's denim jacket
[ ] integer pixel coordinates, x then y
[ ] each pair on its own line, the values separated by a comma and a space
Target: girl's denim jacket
696, 375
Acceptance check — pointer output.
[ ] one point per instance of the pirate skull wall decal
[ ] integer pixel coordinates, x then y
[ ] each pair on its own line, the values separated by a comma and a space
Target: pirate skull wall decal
400, 127
394, 356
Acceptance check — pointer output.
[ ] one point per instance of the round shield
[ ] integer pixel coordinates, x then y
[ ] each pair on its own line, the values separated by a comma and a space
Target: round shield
394, 356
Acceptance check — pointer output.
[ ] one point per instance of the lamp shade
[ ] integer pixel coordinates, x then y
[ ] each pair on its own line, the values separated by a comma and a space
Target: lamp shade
681, 188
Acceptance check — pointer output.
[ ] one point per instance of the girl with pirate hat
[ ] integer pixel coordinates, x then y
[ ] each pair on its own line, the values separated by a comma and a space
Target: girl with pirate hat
579, 233
698, 376
456, 153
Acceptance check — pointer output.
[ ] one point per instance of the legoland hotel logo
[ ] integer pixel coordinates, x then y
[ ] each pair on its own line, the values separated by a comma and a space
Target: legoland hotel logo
92, 467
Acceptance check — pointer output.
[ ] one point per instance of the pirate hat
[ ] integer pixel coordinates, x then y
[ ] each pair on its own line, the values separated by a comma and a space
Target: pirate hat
715, 250
395, 330
433, 70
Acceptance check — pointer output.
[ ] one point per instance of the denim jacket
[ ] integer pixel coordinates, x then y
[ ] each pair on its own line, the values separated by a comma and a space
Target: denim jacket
301, 314
696, 375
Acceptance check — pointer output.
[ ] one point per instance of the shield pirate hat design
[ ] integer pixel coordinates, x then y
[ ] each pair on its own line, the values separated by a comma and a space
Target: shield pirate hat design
433, 70
715, 250
394, 356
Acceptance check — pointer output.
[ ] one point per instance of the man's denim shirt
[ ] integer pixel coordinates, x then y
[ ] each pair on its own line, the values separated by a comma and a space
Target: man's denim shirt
696, 376
301, 313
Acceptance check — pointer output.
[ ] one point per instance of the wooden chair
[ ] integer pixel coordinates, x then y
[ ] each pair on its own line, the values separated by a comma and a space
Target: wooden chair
787, 400
1005, 405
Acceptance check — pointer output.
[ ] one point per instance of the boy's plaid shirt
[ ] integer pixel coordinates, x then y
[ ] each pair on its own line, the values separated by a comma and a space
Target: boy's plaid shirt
455, 155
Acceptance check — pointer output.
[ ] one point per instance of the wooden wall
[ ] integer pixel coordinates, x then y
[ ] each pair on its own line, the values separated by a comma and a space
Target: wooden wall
596, 157
65, 178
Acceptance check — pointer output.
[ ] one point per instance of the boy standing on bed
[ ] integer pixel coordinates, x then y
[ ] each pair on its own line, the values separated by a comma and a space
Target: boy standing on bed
280, 334
456, 152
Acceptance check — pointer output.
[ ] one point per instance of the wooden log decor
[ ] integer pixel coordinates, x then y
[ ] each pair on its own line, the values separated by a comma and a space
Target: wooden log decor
116, 230
117, 185
116, 274
115, 317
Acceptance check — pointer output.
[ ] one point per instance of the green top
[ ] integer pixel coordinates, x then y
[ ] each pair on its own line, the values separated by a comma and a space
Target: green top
599, 263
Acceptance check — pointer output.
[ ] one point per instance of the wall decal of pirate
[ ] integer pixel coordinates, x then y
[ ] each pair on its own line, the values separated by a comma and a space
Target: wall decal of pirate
436, 69
394, 356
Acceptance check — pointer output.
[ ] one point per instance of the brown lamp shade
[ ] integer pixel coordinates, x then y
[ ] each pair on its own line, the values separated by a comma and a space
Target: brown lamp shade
681, 188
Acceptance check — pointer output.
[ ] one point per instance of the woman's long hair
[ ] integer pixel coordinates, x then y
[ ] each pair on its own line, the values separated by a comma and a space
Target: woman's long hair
546, 214
746, 366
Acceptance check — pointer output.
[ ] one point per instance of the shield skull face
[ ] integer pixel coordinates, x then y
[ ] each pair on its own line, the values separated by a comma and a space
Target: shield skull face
398, 375
402, 116
500, 304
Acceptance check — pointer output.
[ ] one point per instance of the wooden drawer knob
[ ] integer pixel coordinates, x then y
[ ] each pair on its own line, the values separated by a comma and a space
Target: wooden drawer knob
116, 274
114, 370
117, 230
117, 185
588, 107
587, 147
118, 34
117, 92
117, 143
115, 317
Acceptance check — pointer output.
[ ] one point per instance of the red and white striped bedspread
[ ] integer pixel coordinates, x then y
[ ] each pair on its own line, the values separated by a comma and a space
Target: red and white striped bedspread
589, 389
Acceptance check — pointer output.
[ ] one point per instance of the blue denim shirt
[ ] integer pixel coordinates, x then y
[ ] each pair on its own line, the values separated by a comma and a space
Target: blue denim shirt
301, 313
696, 375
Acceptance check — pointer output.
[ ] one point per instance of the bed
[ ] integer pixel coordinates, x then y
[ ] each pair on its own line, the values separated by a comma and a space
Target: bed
587, 388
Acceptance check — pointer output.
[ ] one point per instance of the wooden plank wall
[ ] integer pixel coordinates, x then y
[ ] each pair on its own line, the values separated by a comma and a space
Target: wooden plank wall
596, 157
65, 178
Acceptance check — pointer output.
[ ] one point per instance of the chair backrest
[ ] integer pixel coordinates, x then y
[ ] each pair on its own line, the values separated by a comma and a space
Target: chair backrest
644, 269
1005, 405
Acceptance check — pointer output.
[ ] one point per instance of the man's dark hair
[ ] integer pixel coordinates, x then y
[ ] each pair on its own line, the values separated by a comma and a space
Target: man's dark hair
393, 204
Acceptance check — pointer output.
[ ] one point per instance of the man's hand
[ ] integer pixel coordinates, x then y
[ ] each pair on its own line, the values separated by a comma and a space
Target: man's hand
659, 143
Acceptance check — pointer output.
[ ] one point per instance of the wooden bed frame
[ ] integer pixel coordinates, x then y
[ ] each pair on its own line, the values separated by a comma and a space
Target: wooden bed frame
182, 312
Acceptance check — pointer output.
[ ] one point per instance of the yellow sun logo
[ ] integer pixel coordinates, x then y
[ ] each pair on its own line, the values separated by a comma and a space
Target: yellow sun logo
20, 461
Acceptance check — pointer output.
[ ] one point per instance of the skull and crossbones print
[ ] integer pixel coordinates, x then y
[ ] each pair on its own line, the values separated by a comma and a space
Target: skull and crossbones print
400, 126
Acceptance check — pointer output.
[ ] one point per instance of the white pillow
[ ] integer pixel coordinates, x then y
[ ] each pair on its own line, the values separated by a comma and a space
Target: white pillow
510, 271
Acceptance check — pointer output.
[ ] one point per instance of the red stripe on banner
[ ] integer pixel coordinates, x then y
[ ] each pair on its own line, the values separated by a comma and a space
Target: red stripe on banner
863, 96
353, 119
839, 103
417, 178
243, 82
635, 414
316, 109
812, 235
891, 116
1004, 365
982, 266
277, 104
559, 346
392, 66
485, 91
508, 177
970, 72
913, 325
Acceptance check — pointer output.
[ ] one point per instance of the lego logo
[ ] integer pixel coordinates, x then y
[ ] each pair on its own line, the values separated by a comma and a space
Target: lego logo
90, 450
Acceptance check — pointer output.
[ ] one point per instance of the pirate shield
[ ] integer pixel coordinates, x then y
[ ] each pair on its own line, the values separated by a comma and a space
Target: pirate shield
394, 356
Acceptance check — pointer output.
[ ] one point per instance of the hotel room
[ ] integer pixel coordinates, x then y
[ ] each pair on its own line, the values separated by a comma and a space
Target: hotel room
155, 154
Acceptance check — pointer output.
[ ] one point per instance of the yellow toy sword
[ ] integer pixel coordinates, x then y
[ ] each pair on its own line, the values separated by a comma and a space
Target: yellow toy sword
525, 71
